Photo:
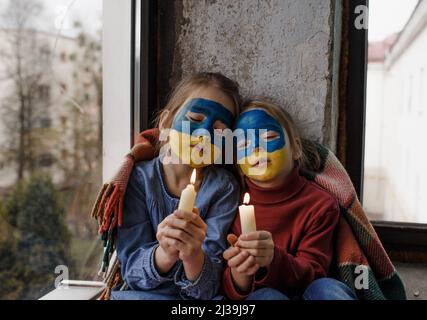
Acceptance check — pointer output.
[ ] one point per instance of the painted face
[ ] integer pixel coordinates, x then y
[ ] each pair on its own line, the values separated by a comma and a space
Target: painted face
192, 136
262, 151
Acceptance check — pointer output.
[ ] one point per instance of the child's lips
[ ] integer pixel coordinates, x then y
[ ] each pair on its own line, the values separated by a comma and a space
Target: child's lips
197, 147
261, 163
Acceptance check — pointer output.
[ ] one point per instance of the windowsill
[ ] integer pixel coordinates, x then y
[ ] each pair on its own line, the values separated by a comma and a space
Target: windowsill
401, 239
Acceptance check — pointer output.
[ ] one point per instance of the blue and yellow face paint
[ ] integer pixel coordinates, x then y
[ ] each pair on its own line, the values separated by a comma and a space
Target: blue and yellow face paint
192, 136
262, 151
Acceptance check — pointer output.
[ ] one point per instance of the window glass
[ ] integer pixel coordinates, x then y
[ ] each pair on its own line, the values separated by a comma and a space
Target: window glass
396, 125
50, 143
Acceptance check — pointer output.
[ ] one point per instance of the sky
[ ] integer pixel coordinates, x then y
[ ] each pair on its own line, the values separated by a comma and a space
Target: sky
64, 12
388, 16
59, 15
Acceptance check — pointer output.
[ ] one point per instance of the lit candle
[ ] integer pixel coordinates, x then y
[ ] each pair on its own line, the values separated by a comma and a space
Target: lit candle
188, 195
247, 215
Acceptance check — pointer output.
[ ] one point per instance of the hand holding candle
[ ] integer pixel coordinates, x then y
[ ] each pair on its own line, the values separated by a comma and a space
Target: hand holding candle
188, 195
247, 216
258, 244
242, 262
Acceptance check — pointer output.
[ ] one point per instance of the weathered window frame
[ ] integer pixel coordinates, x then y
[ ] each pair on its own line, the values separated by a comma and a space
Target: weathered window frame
117, 84
143, 65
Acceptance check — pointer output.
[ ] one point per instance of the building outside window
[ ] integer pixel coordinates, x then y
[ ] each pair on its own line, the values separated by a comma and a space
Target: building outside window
45, 53
395, 152
45, 123
44, 94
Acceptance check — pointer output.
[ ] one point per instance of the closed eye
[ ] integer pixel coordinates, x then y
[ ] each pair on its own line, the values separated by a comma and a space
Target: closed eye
270, 135
195, 117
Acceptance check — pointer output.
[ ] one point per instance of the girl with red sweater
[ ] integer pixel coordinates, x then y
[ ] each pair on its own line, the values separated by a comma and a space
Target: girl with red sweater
289, 255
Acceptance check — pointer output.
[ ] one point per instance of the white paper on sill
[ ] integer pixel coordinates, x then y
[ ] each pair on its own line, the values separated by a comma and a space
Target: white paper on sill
75, 290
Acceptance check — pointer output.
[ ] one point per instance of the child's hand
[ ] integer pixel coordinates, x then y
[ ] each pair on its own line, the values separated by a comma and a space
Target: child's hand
186, 232
240, 261
161, 237
259, 244
243, 265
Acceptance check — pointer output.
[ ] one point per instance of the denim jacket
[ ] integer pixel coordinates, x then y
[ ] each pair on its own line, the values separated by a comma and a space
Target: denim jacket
146, 203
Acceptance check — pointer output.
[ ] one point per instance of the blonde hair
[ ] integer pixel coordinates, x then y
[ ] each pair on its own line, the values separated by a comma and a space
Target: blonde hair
304, 151
190, 83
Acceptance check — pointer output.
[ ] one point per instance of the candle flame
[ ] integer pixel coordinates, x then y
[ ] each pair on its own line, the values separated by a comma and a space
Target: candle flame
246, 198
193, 177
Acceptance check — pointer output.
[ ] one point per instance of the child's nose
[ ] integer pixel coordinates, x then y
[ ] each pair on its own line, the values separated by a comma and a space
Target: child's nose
202, 139
259, 149
260, 144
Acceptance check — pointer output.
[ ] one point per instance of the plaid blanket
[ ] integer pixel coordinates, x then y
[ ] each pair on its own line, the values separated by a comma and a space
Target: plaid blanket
358, 249
360, 260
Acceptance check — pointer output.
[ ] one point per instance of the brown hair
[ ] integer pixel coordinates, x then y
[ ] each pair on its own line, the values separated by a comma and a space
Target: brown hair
188, 84
305, 151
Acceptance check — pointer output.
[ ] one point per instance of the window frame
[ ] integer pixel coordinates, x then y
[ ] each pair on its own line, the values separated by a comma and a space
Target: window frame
395, 236
129, 76
117, 85
143, 73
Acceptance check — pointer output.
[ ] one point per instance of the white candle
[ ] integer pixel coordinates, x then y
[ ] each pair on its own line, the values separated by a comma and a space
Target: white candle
247, 216
188, 195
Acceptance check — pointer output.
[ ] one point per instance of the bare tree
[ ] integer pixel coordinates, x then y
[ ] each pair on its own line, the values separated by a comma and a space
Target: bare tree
86, 120
83, 161
91, 64
23, 69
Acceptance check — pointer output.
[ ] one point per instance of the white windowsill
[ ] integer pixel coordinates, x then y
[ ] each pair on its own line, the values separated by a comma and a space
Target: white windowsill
75, 290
